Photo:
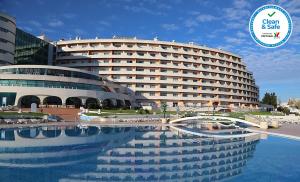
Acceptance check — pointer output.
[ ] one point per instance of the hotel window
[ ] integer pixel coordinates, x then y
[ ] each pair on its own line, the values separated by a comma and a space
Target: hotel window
194, 73
129, 61
205, 51
175, 64
185, 79
184, 87
186, 49
185, 56
129, 77
205, 59
129, 53
164, 47
163, 78
175, 86
116, 77
164, 62
140, 53
103, 68
164, 55
152, 70
117, 52
163, 94
106, 44
116, 61
139, 69
152, 78
195, 87
175, 94
117, 45
116, 68
152, 86
195, 95
139, 77
175, 55
141, 45
152, 62
163, 70
130, 45
185, 72
194, 80
175, 79
175, 71
139, 61
152, 93
106, 53
163, 86
138, 93
152, 54
139, 85
184, 94
129, 69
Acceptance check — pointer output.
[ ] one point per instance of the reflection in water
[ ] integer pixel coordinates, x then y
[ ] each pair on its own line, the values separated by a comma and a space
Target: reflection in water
119, 154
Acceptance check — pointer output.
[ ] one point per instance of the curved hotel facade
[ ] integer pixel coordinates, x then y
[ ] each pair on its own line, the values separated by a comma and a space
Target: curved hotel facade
7, 39
22, 85
157, 72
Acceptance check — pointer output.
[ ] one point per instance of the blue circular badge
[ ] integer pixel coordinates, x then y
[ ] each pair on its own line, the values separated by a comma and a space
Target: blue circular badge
270, 26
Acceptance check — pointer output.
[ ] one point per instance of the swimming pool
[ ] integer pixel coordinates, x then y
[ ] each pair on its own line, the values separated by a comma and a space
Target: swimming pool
147, 153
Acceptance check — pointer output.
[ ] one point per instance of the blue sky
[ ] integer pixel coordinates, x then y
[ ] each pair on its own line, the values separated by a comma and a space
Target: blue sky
215, 23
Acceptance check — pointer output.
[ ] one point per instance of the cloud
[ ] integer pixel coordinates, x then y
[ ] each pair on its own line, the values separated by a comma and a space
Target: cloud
79, 31
55, 23
104, 23
200, 18
170, 27
233, 40
35, 23
140, 8
273, 66
205, 18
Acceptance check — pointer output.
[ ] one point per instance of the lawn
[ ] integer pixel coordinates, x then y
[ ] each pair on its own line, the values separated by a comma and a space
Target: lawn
106, 112
241, 115
20, 115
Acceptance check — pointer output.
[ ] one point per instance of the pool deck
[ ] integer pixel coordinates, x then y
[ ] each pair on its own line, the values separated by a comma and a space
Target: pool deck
291, 131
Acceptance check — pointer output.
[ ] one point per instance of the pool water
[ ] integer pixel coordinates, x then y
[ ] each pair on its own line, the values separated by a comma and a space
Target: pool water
56, 153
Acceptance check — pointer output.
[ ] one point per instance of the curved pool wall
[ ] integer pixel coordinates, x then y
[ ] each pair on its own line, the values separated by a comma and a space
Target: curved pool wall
118, 154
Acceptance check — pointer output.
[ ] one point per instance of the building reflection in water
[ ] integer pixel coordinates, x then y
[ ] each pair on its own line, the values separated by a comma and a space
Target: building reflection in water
119, 154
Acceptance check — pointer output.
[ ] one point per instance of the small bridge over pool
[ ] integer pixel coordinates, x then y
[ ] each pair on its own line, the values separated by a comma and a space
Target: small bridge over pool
215, 119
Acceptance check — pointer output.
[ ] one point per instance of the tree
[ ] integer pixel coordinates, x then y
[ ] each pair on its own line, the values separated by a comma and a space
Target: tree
286, 111
294, 103
270, 99
164, 108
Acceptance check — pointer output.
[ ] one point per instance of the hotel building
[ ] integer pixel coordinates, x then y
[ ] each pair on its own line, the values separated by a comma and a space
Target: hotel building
157, 72
21, 85
7, 39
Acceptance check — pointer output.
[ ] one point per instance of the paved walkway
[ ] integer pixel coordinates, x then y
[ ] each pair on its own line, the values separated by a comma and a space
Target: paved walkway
291, 131
68, 114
